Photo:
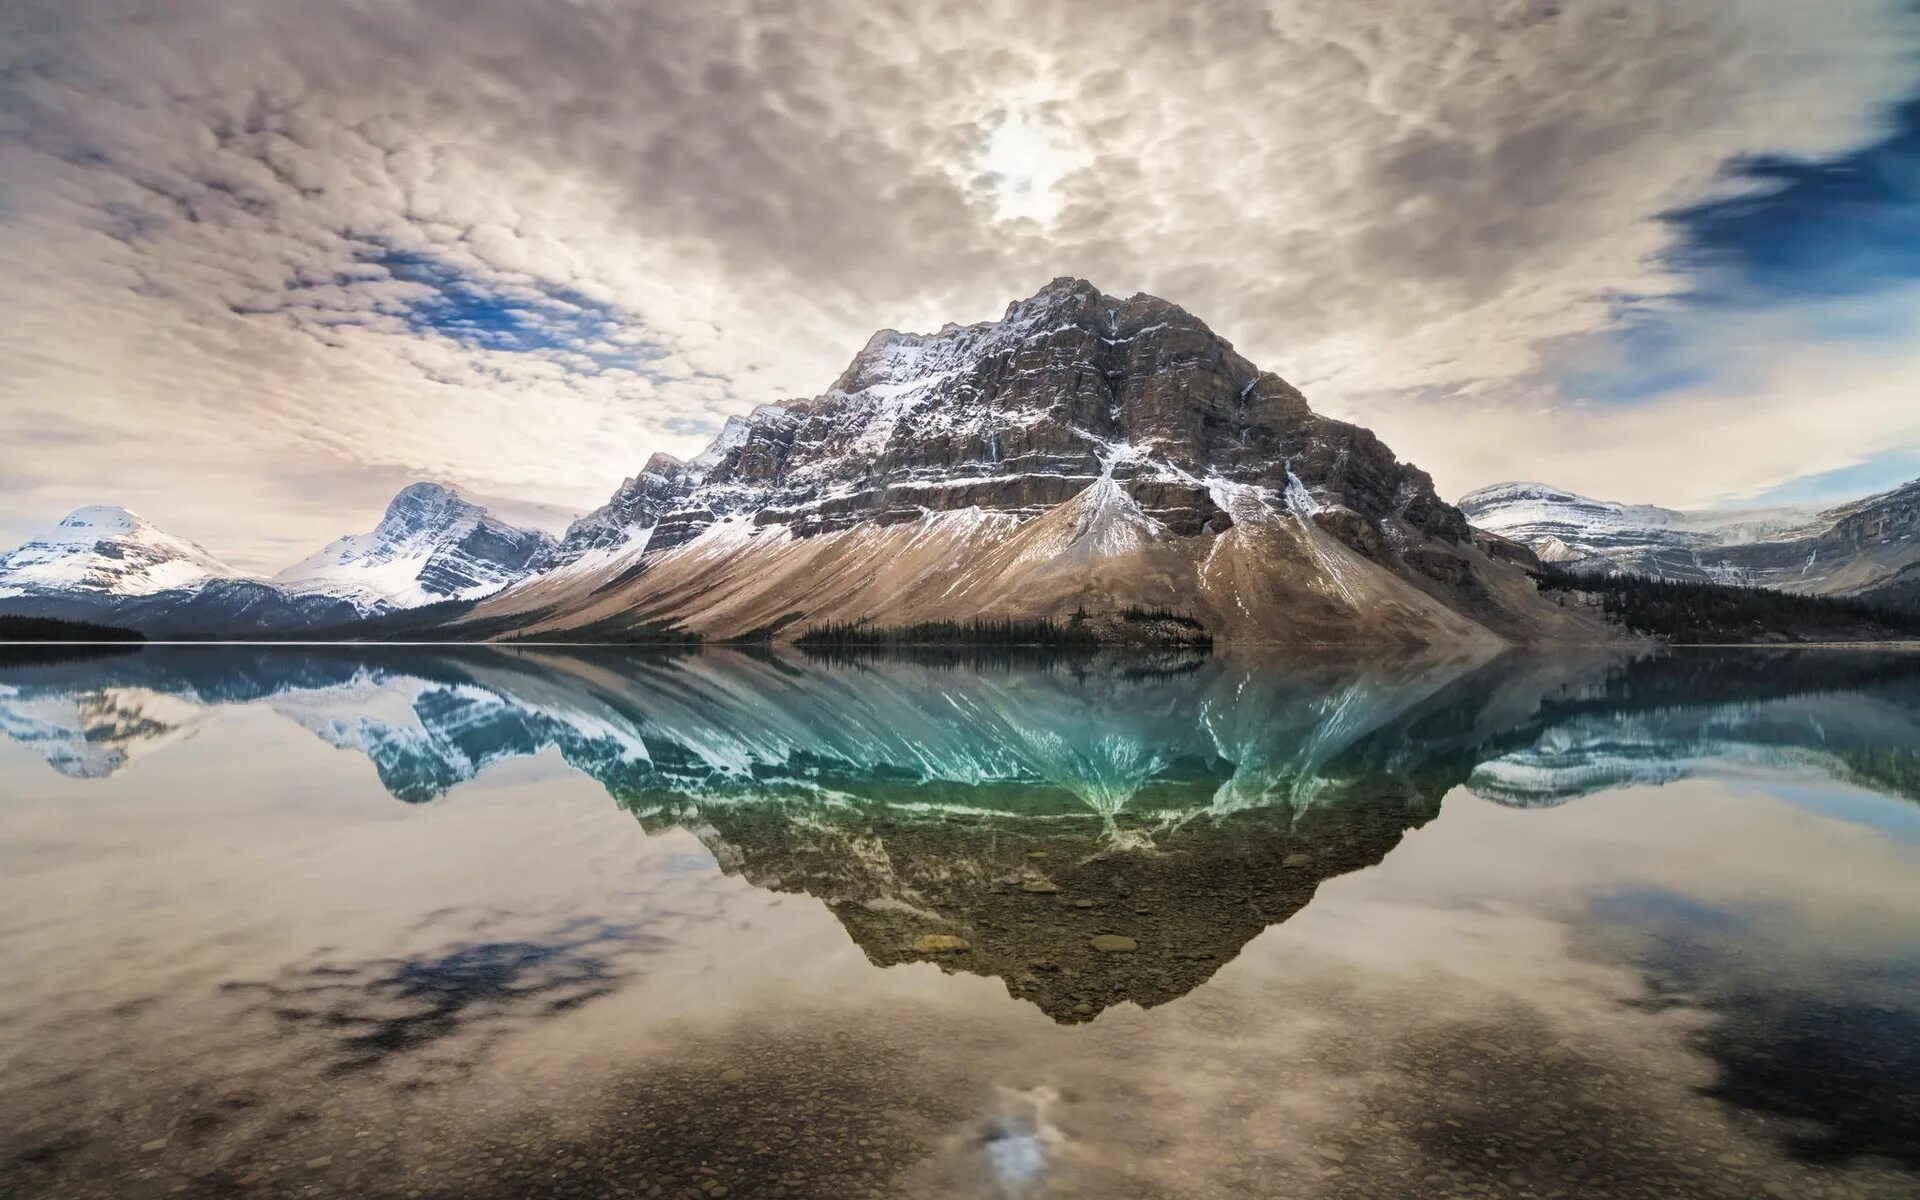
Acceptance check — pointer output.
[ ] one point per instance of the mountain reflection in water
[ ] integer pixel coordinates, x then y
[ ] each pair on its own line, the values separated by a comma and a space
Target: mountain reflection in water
1084, 832
1001, 820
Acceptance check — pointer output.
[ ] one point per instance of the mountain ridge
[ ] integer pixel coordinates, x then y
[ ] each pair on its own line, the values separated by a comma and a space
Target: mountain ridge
1083, 458
1867, 549
106, 564
431, 544
1081, 453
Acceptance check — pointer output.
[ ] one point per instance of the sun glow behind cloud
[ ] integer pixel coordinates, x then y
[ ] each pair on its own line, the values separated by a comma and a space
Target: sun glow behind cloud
1024, 158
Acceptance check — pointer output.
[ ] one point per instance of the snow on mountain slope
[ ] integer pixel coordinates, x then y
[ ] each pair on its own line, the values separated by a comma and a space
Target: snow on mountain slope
1849, 549
109, 565
431, 545
107, 551
1526, 511
1083, 451
90, 735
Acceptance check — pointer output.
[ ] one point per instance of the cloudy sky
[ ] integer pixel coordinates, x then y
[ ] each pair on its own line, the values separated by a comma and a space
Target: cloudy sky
261, 264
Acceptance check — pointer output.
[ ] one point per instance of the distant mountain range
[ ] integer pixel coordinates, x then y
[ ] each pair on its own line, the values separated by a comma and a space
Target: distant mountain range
1085, 459
114, 566
1868, 549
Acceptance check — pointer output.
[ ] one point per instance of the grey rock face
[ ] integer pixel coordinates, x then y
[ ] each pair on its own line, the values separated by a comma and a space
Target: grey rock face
1890, 518
1864, 548
430, 545
1020, 415
639, 503
472, 549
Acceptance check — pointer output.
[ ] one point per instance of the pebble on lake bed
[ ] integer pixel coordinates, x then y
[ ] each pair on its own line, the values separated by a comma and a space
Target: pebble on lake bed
1113, 943
940, 943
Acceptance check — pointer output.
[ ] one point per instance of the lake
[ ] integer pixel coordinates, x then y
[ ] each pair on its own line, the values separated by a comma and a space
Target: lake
503, 922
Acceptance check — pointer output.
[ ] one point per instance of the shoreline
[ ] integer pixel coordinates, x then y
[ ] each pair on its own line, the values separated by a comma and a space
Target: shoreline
1538, 647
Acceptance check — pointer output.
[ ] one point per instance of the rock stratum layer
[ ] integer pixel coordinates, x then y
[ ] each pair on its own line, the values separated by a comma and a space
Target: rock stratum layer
1083, 453
431, 545
1867, 548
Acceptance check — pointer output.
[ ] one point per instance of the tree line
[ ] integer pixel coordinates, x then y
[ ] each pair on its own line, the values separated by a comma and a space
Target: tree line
54, 629
1717, 612
979, 631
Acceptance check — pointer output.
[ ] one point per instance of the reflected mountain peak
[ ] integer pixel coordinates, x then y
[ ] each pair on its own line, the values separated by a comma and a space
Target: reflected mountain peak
1074, 912
89, 734
1087, 831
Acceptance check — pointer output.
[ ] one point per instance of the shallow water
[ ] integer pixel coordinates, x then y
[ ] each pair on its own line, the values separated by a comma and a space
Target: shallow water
486, 922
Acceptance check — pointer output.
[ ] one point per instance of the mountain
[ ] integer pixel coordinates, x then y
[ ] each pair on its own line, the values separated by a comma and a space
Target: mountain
1869, 548
1899, 590
111, 566
107, 551
115, 567
430, 545
1084, 454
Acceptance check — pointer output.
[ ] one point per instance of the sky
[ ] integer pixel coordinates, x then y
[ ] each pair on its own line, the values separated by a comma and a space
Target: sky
261, 265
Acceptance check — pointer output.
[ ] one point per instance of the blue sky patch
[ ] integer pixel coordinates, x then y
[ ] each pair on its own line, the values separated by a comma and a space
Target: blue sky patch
1870, 475
1799, 233
1818, 253
534, 317
496, 312
1837, 227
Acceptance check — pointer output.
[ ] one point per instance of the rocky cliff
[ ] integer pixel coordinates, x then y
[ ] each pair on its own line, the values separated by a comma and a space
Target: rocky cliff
1084, 452
431, 545
1866, 548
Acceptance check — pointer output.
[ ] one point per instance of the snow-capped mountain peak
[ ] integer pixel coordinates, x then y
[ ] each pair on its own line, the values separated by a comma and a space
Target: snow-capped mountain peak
1083, 452
1853, 549
104, 518
431, 544
107, 550
1510, 509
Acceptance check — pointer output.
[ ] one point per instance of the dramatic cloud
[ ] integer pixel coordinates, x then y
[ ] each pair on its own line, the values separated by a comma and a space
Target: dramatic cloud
261, 262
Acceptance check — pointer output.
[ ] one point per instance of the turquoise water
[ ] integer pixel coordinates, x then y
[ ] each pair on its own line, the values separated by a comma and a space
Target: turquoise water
495, 922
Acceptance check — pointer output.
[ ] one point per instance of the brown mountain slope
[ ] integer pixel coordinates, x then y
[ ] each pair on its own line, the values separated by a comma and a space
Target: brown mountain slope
1082, 453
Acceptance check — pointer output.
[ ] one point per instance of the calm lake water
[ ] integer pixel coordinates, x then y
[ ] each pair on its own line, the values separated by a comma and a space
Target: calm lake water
519, 923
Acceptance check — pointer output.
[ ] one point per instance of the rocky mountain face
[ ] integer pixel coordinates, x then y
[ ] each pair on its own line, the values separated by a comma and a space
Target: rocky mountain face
625, 522
114, 567
107, 551
1868, 548
431, 545
1083, 452
1899, 590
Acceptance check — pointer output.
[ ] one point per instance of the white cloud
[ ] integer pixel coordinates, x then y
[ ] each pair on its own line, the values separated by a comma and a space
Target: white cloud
1795, 406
